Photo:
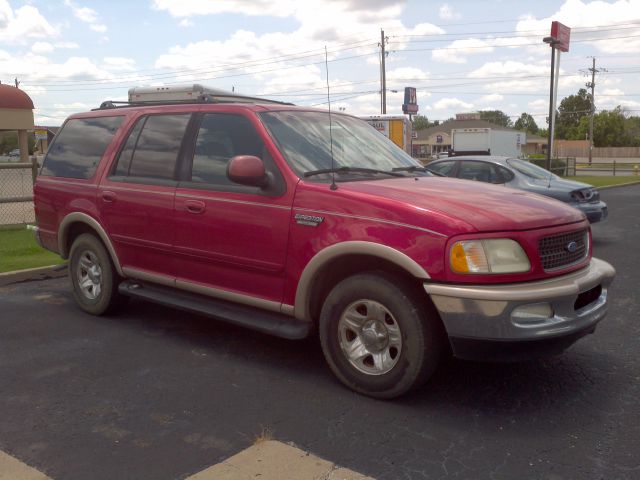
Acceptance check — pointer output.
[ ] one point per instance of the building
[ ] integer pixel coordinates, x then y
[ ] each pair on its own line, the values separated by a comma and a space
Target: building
16, 114
430, 141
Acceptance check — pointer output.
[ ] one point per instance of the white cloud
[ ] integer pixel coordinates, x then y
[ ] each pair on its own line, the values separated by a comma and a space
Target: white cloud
452, 104
23, 24
119, 63
277, 8
406, 74
56, 114
447, 12
69, 45
185, 22
189, 8
612, 91
539, 105
457, 50
42, 47
33, 69
86, 15
269, 58
578, 14
494, 97
509, 68
98, 27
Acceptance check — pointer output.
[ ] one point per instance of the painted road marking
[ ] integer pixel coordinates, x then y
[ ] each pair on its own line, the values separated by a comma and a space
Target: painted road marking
13, 469
272, 460
267, 460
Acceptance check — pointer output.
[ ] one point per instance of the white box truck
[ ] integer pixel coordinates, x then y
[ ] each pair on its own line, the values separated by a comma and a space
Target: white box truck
487, 141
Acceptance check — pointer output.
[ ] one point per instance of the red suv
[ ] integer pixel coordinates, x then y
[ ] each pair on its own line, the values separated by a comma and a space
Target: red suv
293, 221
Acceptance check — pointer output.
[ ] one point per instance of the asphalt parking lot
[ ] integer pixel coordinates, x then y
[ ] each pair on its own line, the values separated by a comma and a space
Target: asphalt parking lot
153, 393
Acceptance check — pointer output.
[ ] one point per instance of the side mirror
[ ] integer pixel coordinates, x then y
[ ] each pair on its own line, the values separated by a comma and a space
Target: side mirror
247, 170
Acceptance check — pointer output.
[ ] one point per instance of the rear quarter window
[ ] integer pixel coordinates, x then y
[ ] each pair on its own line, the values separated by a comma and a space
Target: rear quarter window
79, 146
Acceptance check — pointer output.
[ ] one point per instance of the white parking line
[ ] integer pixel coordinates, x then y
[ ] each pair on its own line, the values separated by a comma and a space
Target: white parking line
272, 460
13, 469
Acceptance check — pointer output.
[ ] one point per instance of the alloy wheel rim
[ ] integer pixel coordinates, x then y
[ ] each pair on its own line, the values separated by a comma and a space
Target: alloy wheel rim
89, 275
370, 337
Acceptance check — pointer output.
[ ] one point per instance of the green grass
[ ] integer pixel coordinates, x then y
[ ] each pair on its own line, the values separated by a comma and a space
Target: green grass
598, 181
19, 250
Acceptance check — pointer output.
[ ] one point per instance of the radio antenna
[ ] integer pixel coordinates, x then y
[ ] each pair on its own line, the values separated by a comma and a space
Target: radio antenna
333, 172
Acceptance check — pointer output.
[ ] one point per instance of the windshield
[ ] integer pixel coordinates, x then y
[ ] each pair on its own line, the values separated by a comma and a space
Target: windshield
305, 141
529, 169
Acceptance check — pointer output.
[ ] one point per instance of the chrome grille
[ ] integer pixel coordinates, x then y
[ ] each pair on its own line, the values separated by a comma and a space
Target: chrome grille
560, 251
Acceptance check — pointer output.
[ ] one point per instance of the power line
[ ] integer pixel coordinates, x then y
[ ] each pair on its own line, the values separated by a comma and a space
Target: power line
516, 34
210, 69
135, 75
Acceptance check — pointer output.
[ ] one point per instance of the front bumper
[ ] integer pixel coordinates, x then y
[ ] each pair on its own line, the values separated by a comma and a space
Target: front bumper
494, 323
595, 211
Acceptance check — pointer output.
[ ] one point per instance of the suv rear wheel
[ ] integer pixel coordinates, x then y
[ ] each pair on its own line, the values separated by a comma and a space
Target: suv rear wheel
93, 277
377, 336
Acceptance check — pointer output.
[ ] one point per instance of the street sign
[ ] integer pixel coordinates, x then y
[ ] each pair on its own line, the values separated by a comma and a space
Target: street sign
41, 134
410, 104
562, 35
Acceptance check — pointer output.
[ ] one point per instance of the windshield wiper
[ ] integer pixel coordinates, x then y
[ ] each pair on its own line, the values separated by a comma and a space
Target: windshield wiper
411, 168
414, 168
352, 170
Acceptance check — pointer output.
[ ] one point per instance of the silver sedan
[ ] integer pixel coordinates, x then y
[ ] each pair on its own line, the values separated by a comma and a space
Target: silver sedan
516, 173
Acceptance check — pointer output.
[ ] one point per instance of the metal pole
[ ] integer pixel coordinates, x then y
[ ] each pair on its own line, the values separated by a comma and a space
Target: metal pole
593, 107
384, 75
551, 107
34, 168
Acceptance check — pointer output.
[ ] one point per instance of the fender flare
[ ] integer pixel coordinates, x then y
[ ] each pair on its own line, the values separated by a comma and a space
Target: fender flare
75, 217
303, 291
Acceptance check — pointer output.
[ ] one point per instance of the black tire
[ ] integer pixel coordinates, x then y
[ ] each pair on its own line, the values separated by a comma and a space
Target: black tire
93, 276
400, 342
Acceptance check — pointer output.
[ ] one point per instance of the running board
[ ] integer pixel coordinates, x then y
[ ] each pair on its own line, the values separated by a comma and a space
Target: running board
271, 323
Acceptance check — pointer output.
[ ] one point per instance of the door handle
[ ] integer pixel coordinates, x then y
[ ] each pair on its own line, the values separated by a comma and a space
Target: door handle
195, 206
108, 197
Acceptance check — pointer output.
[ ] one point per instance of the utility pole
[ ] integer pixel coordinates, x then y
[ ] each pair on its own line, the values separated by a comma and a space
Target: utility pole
383, 74
552, 106
592, 86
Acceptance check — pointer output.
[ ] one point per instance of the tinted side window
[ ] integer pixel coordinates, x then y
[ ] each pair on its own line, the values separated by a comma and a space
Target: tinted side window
156, 151
480, 171
124, 160
445, 168
222, 136
79, 146
506, 174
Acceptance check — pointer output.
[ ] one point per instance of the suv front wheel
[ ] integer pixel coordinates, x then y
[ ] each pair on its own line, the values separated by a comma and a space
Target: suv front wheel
377, 336
94, 280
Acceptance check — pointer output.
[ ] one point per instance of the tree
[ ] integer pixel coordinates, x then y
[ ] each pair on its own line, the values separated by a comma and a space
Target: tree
611, 128
526, 123
420, 122
632, 131
571, 110
496, 116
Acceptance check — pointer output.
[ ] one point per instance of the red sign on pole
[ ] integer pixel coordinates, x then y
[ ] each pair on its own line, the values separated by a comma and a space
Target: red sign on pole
562, 34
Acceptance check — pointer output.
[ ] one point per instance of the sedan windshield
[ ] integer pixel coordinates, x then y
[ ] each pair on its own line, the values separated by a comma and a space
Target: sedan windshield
529, 169
358, 150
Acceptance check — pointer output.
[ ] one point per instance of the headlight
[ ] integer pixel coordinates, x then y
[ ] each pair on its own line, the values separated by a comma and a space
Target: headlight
500, 255
585, 195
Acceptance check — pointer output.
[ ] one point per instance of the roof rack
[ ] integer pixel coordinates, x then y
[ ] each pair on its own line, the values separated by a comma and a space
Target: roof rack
184, 94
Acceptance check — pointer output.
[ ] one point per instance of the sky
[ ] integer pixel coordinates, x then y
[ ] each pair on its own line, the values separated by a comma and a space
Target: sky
460, 55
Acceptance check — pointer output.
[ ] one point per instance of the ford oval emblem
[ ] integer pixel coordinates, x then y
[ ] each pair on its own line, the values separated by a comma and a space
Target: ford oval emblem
572, 247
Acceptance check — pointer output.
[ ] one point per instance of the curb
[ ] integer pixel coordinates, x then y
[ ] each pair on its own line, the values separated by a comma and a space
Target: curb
637, 182
32, 274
